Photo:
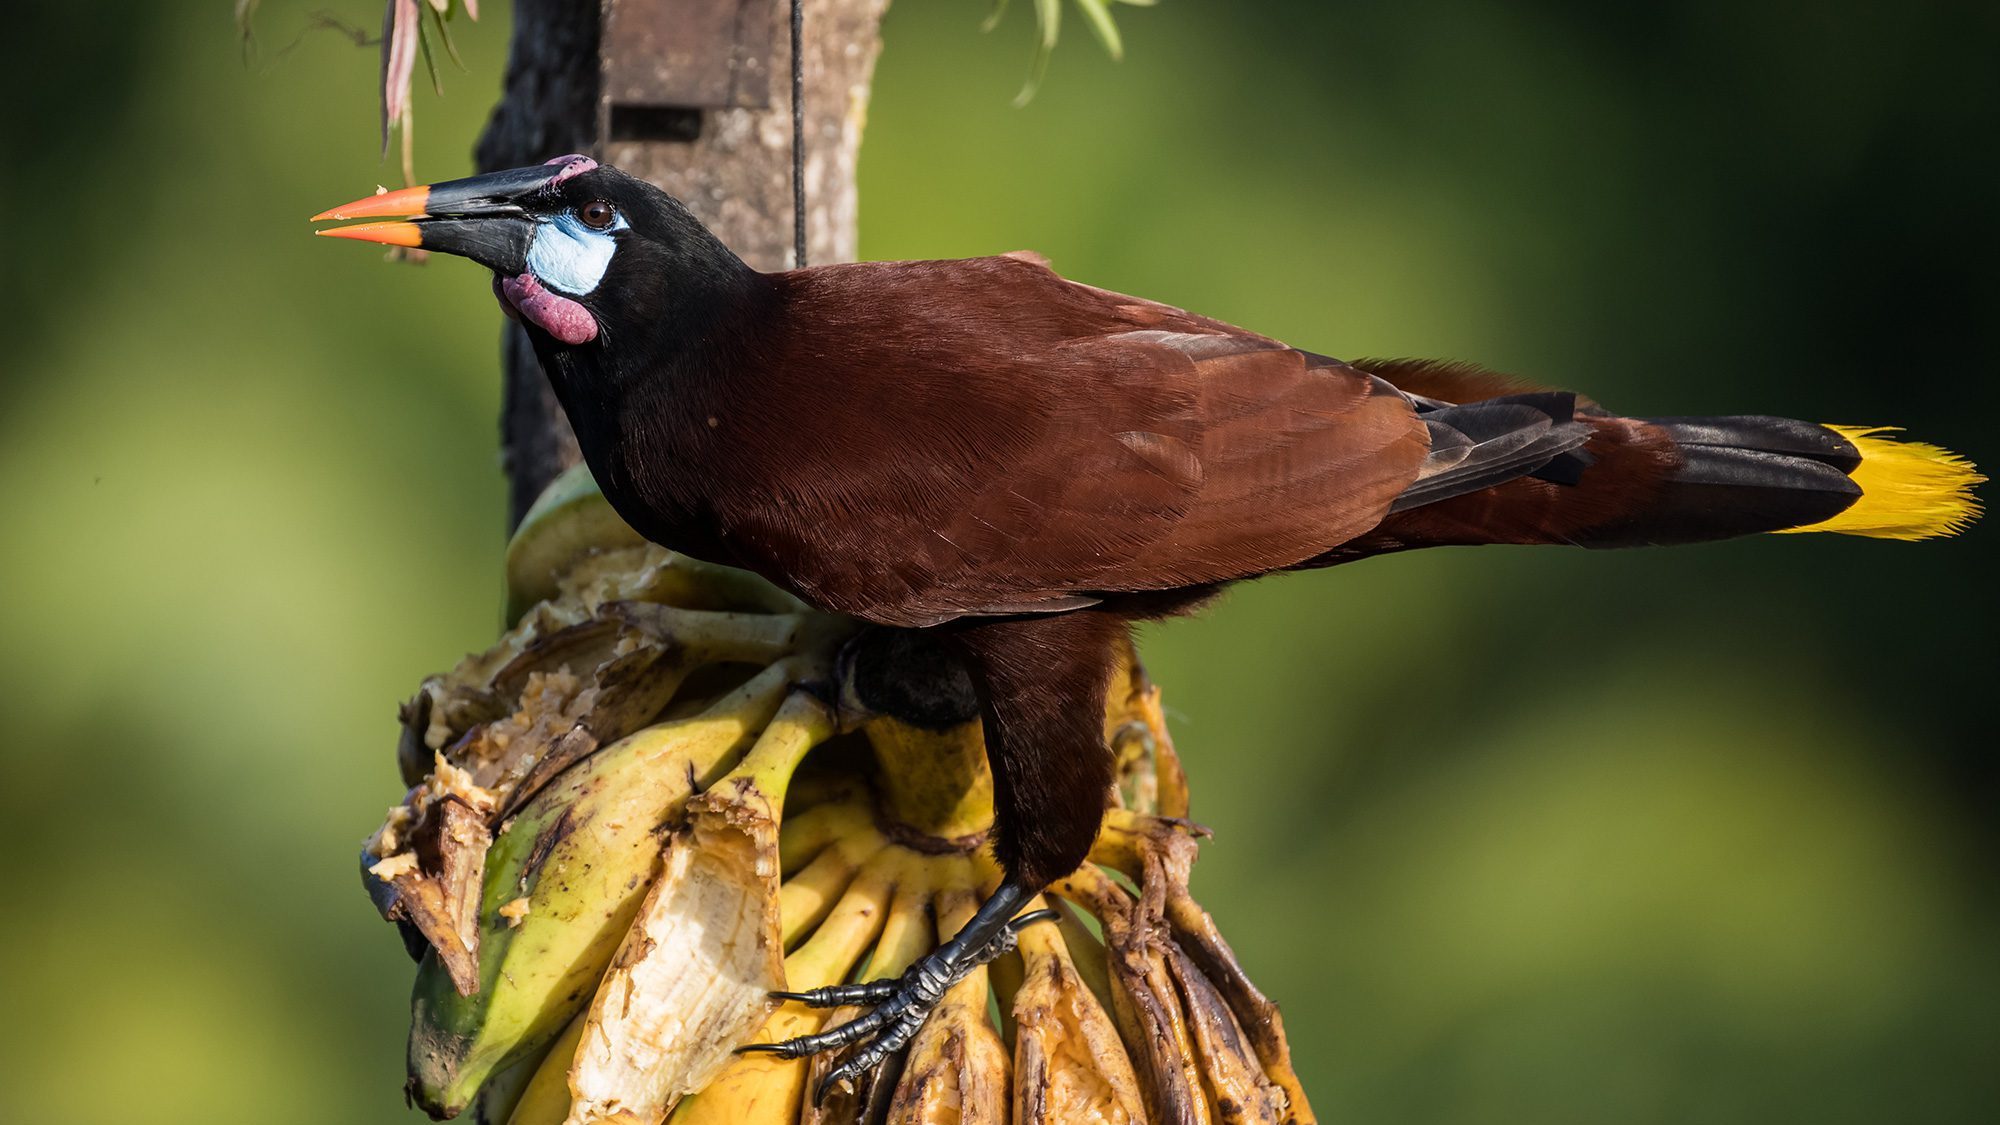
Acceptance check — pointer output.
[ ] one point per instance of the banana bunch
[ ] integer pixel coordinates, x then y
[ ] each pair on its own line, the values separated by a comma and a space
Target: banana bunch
659, 798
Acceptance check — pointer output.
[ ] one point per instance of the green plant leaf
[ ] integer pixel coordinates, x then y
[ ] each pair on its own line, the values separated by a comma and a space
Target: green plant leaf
246, 11
1098, 13
438, 16
1048, 28
430, 61
993, 15
1048, 17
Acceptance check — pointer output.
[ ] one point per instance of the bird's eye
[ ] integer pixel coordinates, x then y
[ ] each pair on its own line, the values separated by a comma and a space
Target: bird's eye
597, 214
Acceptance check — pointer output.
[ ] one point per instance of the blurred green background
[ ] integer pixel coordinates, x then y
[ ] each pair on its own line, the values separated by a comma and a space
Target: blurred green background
1696, 835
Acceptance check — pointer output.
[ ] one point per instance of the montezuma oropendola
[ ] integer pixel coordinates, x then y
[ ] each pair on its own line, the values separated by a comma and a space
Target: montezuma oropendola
1024, 466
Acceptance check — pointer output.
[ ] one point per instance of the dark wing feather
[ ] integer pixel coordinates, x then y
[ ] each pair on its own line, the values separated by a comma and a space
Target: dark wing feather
1028, 444
1486, 443
1437, 384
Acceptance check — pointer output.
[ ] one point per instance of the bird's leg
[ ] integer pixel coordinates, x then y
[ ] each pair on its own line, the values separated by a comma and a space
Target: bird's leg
1001, 943
1042, 684
902, 1004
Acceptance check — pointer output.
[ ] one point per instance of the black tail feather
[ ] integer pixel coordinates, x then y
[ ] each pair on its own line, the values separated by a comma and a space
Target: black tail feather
1719, 492
1766, 434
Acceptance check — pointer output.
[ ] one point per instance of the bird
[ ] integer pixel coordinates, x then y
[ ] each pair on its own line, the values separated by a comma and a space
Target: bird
1020, 467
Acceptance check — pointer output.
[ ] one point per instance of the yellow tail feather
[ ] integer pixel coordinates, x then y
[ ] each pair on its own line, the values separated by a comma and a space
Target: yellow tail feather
1909, 490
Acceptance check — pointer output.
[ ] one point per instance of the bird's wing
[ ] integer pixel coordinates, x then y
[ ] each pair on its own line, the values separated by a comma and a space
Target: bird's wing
1031, 445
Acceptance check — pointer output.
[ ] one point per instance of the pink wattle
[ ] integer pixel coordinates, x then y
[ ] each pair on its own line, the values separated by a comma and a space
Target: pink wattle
554, 313
500, 295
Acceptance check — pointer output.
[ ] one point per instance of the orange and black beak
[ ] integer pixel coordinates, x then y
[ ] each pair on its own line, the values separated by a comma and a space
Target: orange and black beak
479, 217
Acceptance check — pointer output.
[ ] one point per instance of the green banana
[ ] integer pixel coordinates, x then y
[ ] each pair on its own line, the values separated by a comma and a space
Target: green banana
564, 879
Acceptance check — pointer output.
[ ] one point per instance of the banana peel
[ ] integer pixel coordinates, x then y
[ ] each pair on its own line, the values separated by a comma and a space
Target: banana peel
1070, 1066
429, 883
759, 1087
655, 800
695, 976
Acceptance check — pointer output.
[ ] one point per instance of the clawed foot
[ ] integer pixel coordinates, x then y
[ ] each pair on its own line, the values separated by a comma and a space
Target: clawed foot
902, 1004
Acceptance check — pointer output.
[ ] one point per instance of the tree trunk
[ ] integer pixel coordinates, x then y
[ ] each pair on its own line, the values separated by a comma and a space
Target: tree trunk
730, 162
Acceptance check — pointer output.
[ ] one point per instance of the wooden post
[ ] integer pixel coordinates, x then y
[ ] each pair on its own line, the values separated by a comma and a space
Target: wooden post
693, 95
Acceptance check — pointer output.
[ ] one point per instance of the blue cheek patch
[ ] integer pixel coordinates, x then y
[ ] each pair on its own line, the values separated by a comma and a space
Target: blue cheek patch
570, 257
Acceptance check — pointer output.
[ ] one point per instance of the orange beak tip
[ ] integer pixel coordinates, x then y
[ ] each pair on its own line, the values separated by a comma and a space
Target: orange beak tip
403, 203
389, 234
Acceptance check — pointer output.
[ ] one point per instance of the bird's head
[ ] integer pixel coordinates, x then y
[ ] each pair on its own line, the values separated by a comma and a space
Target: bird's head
576, 248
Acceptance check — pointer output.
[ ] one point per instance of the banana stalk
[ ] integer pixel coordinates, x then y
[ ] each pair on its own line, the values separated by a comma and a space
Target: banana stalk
636, 816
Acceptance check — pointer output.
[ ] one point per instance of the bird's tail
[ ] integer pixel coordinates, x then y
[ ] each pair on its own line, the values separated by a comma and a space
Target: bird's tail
1643, 481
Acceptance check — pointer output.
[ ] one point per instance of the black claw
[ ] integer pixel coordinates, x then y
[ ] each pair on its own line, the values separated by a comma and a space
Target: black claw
832, 1038
900, 1030
1031, 918
841, 995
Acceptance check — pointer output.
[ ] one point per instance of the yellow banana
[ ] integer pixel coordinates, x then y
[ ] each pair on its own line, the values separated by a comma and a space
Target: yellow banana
809, 895
504, 1091
805, 834
545, 1099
